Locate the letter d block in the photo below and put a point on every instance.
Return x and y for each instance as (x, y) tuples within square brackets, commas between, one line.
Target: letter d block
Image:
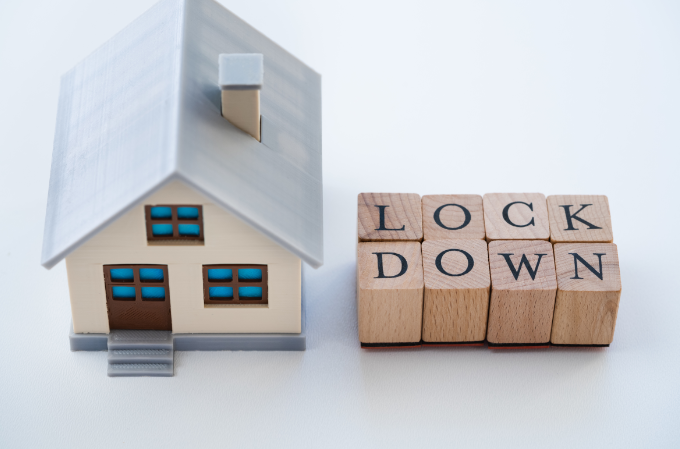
[(389, 294), (386, 217), (523, 289), (588, 294), (457, 284)]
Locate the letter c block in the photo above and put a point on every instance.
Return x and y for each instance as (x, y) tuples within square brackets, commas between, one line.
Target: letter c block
[(389, 293)]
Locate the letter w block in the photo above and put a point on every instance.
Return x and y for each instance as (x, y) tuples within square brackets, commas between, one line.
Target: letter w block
[(523, 289), (389, 293)]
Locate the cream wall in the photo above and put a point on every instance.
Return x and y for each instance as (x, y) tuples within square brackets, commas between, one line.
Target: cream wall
[(228, 240)]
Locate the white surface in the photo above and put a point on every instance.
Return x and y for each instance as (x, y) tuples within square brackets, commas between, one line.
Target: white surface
[(564, 97)]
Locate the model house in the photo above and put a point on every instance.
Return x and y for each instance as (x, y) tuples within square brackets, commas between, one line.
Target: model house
[(171, 217)]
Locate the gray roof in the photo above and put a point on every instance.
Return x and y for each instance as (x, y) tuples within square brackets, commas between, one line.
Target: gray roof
[(144, 109)]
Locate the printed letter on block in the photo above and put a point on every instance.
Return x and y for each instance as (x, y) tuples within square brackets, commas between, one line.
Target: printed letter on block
[(389, 293), (579, 218), (385, 217), (516, 216), (457, 283), (453, 217), (588, 293), (523, 288)]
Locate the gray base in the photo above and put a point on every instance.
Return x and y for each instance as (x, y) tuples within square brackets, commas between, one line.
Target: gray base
[(208, 342)]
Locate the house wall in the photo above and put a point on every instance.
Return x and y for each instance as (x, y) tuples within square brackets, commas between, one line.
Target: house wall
[(228, 240)]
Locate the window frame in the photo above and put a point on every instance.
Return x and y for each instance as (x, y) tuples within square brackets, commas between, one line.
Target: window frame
[(235, 284), (175, 222)]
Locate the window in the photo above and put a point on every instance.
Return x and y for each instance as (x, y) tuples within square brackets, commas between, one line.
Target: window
[(235, 284), (166, 222)]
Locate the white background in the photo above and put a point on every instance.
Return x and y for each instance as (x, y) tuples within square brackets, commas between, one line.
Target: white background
[(426, 97)]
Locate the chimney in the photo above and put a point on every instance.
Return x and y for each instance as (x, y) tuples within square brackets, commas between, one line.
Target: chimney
[(240, 79)]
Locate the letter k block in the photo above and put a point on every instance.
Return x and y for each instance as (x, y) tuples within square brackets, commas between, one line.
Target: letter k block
[(523, 289), (389, 217), (389, 293), (579, 218), (588, 294)]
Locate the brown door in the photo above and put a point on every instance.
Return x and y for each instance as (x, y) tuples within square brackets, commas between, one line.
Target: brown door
[(138, 297)]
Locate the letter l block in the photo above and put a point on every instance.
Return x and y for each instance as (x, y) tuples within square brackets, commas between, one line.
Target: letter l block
[(389, 293), (386, 217)]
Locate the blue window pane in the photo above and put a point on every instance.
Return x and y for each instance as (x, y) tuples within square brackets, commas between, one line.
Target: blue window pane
[(250, 292), (153, 293), (151, 275), (187, 213), (161, 213), (161, 230), (249, 274), (219, 274), (221, 293), (189, 230), (121, 292), (122, 275)]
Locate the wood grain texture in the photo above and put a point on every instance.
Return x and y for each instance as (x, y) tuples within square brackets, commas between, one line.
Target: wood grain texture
[(459, 216), (567, 213), (390, 310), (402, 212), (455, 308), (521, 310), (519, 224), (586, 308)]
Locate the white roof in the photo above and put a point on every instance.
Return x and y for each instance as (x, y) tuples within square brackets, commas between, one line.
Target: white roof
[(144, 109)]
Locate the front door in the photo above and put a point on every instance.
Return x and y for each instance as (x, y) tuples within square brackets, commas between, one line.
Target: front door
[(138, 296)]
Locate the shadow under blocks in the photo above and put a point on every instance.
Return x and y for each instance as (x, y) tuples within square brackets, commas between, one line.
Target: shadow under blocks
[(506, 270)]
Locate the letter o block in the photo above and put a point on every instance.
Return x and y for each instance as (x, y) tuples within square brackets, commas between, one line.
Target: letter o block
[(457, 284), (516, 216), (389, 293), (447, 217), (588, 294)]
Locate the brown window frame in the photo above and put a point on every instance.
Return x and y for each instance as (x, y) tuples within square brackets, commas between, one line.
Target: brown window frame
[(235, 284), (174, 221)]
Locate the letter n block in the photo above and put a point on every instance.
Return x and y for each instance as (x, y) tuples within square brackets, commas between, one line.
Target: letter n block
[(386, 217), (588, 294), (457, 285), (580, 218), (453, 217), (516, 216), (389, 293), (523, 289)]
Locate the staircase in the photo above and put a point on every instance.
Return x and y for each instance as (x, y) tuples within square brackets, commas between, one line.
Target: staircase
[(140, 353)]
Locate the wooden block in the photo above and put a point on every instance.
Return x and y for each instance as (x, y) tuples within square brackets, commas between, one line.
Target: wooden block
[(588, 294), (457, 285), (516, 216), (523, 289), (579, 218), (385, 217), (389, 293), (453, 217)]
